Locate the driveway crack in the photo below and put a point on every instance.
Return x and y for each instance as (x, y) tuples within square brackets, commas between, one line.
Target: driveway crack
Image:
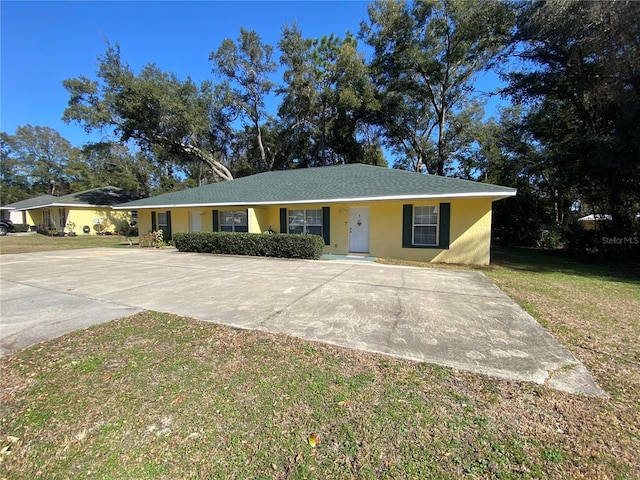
[(283, 310), (399, 310)]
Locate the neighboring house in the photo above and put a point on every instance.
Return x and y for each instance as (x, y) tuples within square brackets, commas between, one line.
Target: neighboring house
[(590, 222), (83, 213), (356, 208), (19, 212), (597, 220)]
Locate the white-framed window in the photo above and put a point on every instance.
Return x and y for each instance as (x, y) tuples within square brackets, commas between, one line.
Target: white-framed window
[(234, 221), (425, 225), (305, 221)]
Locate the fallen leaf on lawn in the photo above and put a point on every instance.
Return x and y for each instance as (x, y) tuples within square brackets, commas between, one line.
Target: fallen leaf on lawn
[(179, 400), (298, 456), (107, 377), (344, 403), (313, 440)]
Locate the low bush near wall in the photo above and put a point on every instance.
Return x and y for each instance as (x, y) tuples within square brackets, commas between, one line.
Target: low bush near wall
[(152, 240), (21, 227), (254, 244)]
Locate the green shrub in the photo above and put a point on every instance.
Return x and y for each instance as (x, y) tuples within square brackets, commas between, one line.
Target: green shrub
[(554, 237), (127, 230), (21, 227), (253, 244)]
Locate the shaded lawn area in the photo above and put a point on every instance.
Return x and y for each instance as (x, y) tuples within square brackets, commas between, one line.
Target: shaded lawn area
[(36, 242), (160, 396)]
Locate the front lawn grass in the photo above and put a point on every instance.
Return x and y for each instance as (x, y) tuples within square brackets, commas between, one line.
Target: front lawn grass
[(36, 242), (160, 396)]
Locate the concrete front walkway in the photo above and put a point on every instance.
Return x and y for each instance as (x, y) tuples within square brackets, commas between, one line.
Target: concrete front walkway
[(453, 318)]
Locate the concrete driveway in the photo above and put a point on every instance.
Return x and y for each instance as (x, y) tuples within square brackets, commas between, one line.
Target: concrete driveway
[(453, 318)]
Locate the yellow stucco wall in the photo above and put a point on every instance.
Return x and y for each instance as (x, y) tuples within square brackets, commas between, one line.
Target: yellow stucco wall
[(144, 222), (112, 220), (181, 221), (79, 217), (26, 217), (470, 228)]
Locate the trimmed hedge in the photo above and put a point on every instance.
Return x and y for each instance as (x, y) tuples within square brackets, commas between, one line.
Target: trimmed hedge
[(280, 245)]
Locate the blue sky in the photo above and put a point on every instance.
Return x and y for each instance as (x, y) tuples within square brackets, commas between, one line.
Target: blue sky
[(43, 43)]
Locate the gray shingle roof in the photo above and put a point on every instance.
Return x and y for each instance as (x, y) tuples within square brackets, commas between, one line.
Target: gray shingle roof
[(98, 197), (30, 203), (353, 182)]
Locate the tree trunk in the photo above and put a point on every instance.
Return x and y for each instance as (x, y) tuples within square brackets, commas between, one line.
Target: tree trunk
[(220, 170), (441, 127), (267, 163)]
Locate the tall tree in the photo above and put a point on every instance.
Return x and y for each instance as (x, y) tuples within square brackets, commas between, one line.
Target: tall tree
[(327, 98), (325, 55), (13, 182), (40, 156), (426, 56), (580, 74), (245, 67), (356, 101), (154, 109), (110, 163), (299, 97), (510, 155)]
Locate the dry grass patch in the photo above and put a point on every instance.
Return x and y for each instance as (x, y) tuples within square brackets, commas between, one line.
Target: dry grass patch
[(41, 243)]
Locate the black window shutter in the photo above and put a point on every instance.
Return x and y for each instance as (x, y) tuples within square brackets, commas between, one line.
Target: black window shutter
[(445, 225), (283, 220), (407, 226), (326, 225), (154, 223), (167, 232), (216, 225)]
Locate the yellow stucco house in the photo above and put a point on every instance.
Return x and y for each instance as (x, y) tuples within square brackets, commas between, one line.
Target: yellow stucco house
[(82, 213), (357, 209)]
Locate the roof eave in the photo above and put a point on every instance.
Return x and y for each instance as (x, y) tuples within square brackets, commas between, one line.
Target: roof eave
[(493, 195), (83, 205), (24, 209), (69, 205)]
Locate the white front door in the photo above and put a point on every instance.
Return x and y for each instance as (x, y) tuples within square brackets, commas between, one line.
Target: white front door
[(359, 229), (195, 221)]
